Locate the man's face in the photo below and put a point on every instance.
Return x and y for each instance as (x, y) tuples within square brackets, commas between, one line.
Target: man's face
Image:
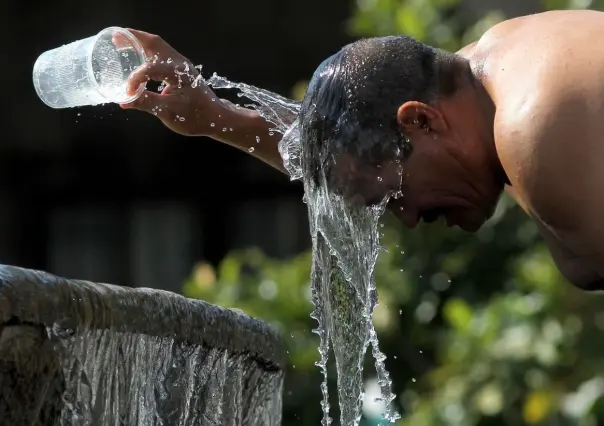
[(435, 186), (365, 184), (430, 183)]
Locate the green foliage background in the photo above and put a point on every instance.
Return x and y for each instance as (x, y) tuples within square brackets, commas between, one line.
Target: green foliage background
[(479, 329)]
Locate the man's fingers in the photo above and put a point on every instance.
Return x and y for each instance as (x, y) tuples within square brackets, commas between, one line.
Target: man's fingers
[(156, 71), (151, 102), (120, 41), (144, 37), (167, 71), (153, 44)]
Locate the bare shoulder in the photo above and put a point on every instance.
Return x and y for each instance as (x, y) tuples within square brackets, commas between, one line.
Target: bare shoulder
[(467, 50), (550, 144), (548, 88), (552, 154), (539, 23)]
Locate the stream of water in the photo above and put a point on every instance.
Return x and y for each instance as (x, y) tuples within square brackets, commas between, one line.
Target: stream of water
[(345, 243)]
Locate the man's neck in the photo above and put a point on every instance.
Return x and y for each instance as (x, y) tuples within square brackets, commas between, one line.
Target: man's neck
[(484, 110)]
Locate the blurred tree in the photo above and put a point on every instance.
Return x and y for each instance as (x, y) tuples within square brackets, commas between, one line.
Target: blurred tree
[(479, 329)]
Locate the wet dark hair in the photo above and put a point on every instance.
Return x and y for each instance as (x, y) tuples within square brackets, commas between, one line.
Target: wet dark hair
[(351, 103)]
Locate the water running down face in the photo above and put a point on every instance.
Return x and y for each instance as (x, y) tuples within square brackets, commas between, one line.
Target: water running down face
[(369, 126)]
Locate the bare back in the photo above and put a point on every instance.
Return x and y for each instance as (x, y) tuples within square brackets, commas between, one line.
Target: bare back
[(545, 73)]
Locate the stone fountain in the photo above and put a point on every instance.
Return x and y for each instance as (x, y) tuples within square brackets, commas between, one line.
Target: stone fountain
[(80, 353)]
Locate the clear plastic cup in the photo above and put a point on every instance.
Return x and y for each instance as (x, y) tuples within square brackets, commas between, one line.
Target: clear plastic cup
[(90, 71)]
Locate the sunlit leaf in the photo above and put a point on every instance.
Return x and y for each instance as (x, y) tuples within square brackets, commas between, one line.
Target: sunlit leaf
[(537, 407), (409, 22), (230, 270), (458, 313)]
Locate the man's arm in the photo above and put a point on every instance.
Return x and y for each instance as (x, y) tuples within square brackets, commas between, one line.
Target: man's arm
[(189, 107), (250, 132), (576, 270)]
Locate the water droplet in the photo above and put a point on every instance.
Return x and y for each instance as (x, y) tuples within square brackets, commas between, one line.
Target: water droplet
[(257, 139), (251, 149), (212, 125), (181, 118), (413, 380), (379, 178), (169, 60), (213, 99), (224, 129)]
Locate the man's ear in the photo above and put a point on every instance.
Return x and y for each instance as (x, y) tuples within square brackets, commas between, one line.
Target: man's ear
[(414, 117)]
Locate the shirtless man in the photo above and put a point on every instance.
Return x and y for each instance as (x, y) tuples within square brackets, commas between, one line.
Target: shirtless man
[(521, 109)]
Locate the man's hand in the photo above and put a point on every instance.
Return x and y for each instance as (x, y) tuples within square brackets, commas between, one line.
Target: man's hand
[(186, 105)]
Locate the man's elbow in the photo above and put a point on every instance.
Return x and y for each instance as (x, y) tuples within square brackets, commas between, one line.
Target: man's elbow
[(586, 282), (592, 285), (581, 274)]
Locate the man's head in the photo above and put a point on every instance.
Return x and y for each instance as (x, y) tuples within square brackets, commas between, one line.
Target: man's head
[(389, 114)]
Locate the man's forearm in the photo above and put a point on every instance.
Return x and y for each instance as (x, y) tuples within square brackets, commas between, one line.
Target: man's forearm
[(245, 129)]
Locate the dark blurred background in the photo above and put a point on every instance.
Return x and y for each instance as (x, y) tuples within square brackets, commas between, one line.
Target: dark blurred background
[(113, 196), (478, 329)]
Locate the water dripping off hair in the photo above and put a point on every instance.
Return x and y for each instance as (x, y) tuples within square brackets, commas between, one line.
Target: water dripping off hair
[(345, 244)]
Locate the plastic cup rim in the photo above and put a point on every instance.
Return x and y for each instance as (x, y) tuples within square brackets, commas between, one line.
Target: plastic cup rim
[(139, 50)]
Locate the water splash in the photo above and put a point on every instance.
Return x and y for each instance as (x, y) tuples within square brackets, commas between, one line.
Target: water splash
[(345, 250), (346, 245), (274, 108)]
